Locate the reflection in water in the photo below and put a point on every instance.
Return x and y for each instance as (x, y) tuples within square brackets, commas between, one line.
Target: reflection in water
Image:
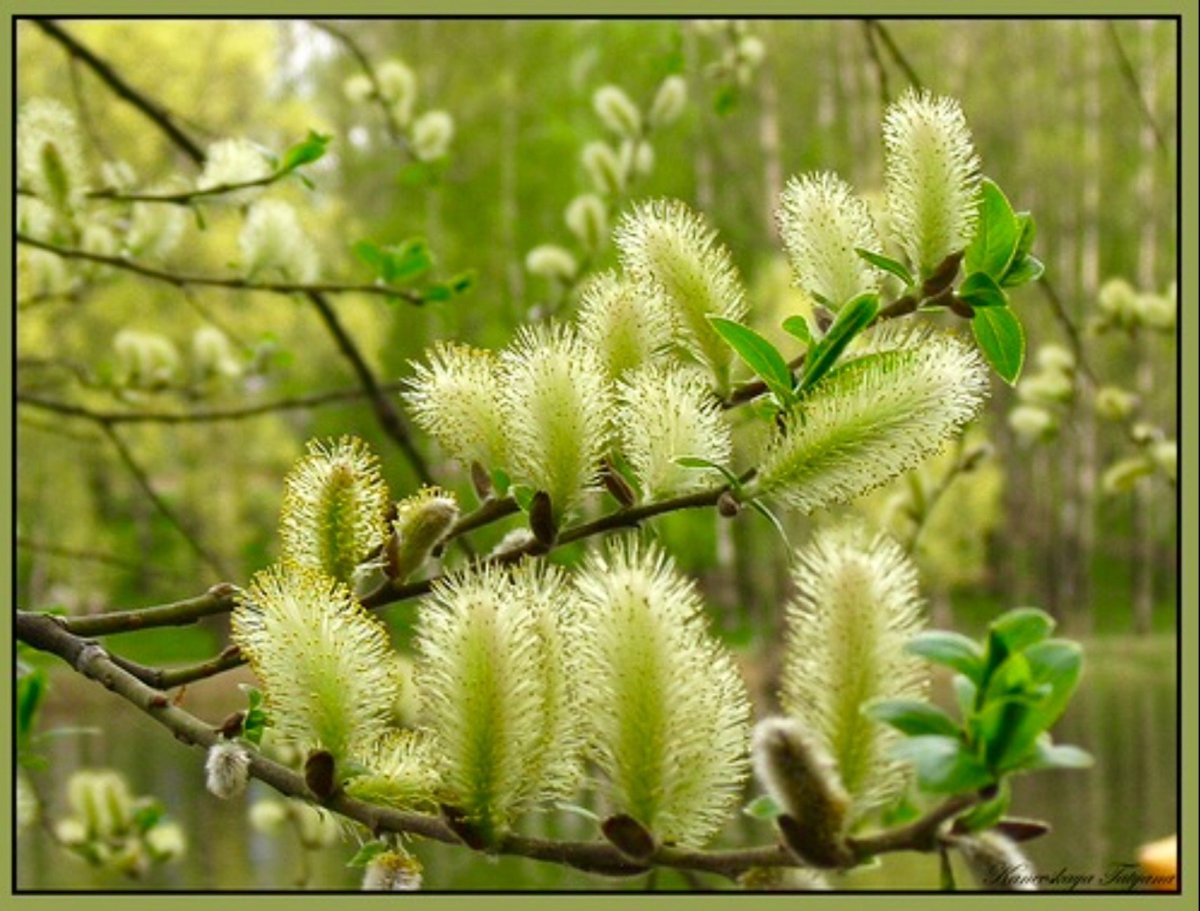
[(1125, 714)]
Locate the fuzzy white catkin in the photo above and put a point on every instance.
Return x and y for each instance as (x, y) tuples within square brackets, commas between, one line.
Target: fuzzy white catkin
[(455, 398), (432, 134), (624, 322), (392, 871), (616, 111), (551, 261), (822, 222), (587, 218), (272, 240), (675, 253), (669, 101), (932, 177), (227, 769), (155, 231), (665, 414), (667, 709), (234, 161), (857, 604), (398, 88), (50, 160), (357, 88), (604, 168), (872, 419)]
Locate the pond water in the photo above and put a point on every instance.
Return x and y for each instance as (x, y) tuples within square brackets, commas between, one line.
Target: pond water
[(1125, 715)]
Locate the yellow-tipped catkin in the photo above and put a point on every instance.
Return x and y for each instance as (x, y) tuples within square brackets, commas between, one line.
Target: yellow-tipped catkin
[(931, 176), (422, 521), (671, 250), (856, 605), (558, 406), (455, 398), (323, 661), (664, 414), (871, 420), (335, 506), (626, 324), (392, 871), (400, 771), (822, 222), (497, 691), (667, 710)]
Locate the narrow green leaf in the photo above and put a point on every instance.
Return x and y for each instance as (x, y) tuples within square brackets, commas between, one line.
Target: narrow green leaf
[(371, 255), (1026, 232), (951, 649), (944, 765), (965, 694), (997, 235), (31, 688), (762, 807), (852, 319), (986, 814), (1021, 627), (887, 264), (305, 152), (980, 290), (1001, 338), (759, 507), (367, 853), (437, 293), (912, 717), (760, 355), (1023, 271), (797, 328)]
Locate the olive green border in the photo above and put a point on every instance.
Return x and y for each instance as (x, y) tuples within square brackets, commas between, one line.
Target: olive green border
[(1188, 437)]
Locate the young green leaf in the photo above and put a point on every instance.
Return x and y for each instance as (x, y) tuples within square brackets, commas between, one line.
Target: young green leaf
[(887, 264), (914, 718), (980, 290), (760, 355), (1001, 338), (996, 236), (762, 807), (1026, 232), (761, 508), (1023, 271), (1022, 627), (944, 765), (367, 853), (951, 649), (371, 255), (306, 152), (697, 462), (986, 814), (31, 688), (852, 319), (797, 328)]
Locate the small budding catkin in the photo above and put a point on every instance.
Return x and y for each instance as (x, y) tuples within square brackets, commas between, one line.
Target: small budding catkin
[(604, 168), (358, 88), (616, 111), (432, 134), (234, 161), (398, 89), (392, 871), (551, 262), (50, 160), (669, 101), (422, 521), (587, 219), (272, 240), (227, 769), (996, 863), (802, 777)]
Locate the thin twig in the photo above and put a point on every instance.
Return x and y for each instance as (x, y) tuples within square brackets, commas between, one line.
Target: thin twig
[(395, 130), (143, 481), (159, 115), (896, 54), (876, 63), (1135, 87), (89, 556), (93, 662), (385, 410), (210, 415), (237, 284)]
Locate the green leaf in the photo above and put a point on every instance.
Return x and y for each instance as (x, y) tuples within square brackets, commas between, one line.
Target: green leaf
[(797, 328), (944, 765), (986, 814), (761, 508), (500, 481), (371, 255), (148, 815), (437, 293), (31, 689), (725, 99), (1054, 669), (852, 319), (887, 264), (407, 261), (1023, 271), (367, 853), (305, 152), (996, 236), (1026, 232), (951, 649), (1021, 627), (577, 810), (1059, 664), (1000, 337), (762, 807), (463, 281), (965, 694), (697, 462), (760, 355), (523, 494), (980, 290), (912, 717)]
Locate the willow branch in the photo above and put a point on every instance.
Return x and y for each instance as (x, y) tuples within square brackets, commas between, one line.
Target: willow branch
[(155, 112), (896, 54), (876, 62), (385, 410), (233, 283), (212, 415), (187, 197), (164, 508), (93, 662), (395, 130)]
